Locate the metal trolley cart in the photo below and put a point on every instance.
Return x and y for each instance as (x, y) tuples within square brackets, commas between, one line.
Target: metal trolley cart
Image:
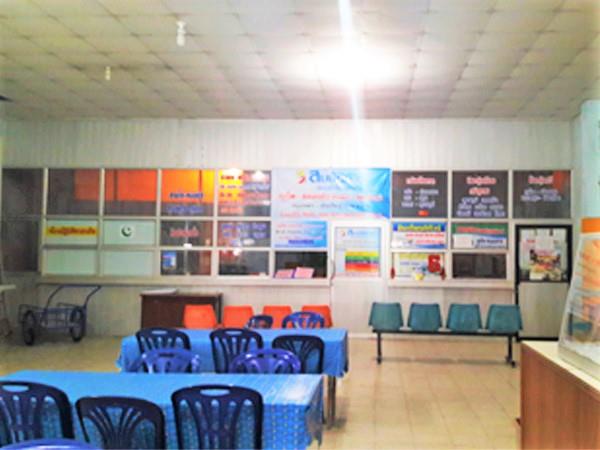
[(61, 317)]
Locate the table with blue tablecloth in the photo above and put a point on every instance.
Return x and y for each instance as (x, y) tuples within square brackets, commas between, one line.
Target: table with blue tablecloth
[(335, 358), (293, 404)]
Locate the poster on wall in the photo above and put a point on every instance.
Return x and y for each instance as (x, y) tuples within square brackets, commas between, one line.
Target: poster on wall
[(71, 232), (480, 195), (419, 194), (331, 194), (479, 235), (419, 235), (244, 192), (357, 251), (541, 194), (300, 234), (244, 234), (543, 254), (419, 266), (187, 192)]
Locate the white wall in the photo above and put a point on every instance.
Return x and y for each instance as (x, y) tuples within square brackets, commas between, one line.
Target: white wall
[(411, 144)]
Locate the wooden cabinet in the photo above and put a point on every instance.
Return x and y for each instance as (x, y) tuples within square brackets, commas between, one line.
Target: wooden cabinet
[(560, 405), (166, 309)]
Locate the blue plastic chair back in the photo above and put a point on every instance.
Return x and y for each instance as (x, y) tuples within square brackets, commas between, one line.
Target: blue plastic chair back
[(51, 444), (308, 349), (154, 338), (217, 414), (121, 422), (386, 316), (266, 360), (303, 319), (464, 318), (424, 317), (260, 321), (504, 319), (170, 360), (25, 409), (227, 343)]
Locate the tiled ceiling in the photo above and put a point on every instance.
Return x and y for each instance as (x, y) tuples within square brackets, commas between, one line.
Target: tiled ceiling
[(261, 58)]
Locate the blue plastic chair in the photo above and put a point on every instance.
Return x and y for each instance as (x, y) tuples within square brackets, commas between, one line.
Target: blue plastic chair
[(386, 316), (216, 414), (424, 317), (157, 337), (303, 319), (464, 318), (227, 343), (121, 422), (504, 319), (266, 360), (170, 360), (260, 321), (308, 349), (51, 444), (26, 407)]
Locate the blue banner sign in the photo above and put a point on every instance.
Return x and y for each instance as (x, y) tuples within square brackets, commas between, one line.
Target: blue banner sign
[(331, 194), (300, 234)]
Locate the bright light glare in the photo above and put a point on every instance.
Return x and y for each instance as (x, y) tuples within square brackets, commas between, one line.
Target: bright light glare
[(353, 67)]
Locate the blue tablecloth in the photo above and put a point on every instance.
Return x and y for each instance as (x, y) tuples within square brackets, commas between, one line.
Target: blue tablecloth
[(293, 404), (335, 339)]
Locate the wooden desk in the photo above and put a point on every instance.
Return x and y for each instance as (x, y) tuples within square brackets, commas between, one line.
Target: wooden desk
[(165, 309), (560, 404)]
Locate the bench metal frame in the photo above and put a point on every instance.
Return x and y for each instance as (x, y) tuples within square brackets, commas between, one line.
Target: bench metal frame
[(509, 336)]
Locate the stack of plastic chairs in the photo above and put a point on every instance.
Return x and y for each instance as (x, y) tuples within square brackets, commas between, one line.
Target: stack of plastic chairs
[(324, 310)]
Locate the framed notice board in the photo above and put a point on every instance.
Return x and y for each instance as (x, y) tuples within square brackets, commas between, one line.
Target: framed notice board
[(480, 195), (419, 194), (541, 194)]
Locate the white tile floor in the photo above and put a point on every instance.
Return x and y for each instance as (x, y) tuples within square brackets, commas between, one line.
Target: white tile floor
[(427, 393)]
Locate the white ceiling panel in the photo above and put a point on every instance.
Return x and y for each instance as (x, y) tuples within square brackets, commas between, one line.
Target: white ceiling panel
[(135, 7), (95, 25), (213, 24), (511, 21), (70, 7), (272, 58)]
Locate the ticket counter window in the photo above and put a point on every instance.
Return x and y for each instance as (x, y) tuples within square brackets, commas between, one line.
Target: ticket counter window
[(238, 262), (130, 192), (73, 191)]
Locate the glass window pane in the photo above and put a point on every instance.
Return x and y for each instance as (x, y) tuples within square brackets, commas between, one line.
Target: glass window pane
[(129, 232), (244, 234), (73, 191), (478, 265), (178, 262), (180, 232), (244, 192), (237, 262), (20, 245), (70, 262), (21, 192), (128, 263), (71, 232), (287, 262), (187, 192), (130, 192)]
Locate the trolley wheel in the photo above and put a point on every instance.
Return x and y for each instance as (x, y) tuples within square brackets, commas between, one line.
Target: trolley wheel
[(28, 327), (77, 324)]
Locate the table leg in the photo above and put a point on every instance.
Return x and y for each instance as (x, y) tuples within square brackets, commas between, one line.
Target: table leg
[(379, 357), (331, 388)]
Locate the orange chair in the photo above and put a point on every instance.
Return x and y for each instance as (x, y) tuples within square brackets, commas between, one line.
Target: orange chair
[(278, 312), (237, 316), (199, 317), (324, 310)]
